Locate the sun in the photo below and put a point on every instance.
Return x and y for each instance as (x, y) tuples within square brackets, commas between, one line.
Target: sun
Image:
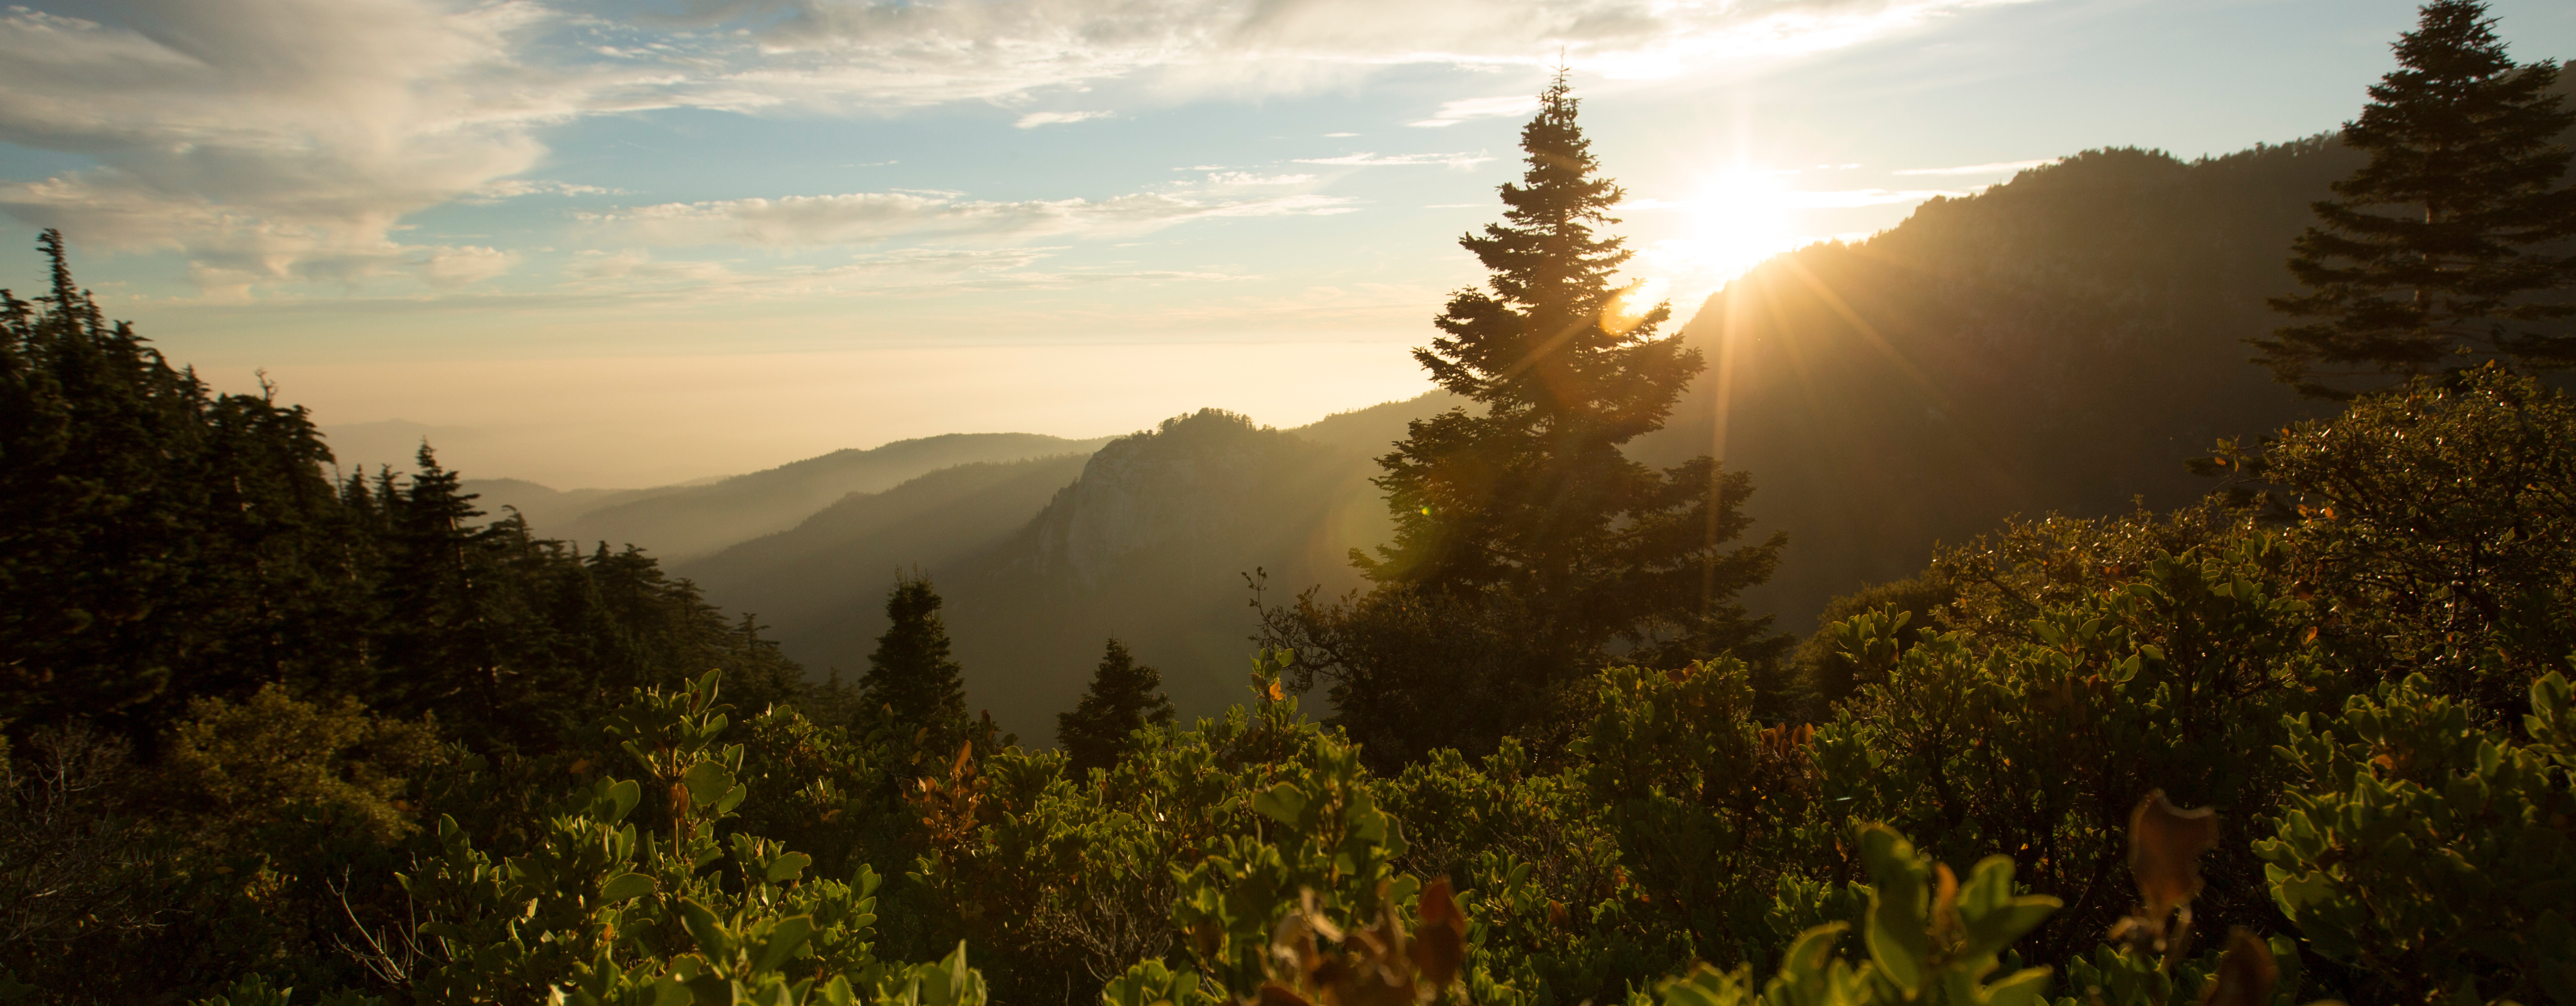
[(1731, 223)]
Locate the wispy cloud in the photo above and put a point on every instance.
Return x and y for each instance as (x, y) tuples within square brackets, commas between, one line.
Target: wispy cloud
[(1454, 112), (901, 271), (1996, 168), (513, 188), (1230, 178), (1035, 119), (869, 217), (1370, 160), (285, 141)]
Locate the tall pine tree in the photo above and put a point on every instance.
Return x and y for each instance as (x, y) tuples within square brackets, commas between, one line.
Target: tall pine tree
[(1528, 548), (911, 677), (1125, 696), (2430, 258)]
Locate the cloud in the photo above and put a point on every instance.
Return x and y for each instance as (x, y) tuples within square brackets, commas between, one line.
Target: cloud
[(1454, 112), (1370, 160), (285, 141), (900, 271), (915, 53), (281, 141), (513, 188), (1229, 178), (1997, 168), (1035, 119), (869, 217)]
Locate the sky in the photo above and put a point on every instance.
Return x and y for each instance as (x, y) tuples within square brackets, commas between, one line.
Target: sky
[(596, 243)]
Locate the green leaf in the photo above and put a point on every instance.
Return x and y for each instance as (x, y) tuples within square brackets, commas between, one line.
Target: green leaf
[(712, 938), (1281, 803), (788, 866), (2021, 988), (625, 886), (707, 782), (1898, 906), (784, 937)]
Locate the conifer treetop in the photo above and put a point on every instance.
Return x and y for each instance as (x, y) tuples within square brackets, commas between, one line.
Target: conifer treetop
[(1550, 343), (2464, 149)]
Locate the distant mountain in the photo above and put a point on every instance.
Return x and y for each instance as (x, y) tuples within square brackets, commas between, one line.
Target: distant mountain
[(697, 519), (821, 585), (1041, 561)]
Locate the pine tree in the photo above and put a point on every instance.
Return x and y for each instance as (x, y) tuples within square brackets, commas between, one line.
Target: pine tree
[(2464, 149), (1522, 529), (911, 676), (1125, 696)]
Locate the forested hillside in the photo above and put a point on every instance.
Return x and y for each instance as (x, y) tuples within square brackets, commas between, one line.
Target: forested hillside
[(2061, 343)]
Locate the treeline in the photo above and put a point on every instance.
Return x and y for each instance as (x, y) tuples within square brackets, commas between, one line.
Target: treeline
[(160, 544), (277, 736)]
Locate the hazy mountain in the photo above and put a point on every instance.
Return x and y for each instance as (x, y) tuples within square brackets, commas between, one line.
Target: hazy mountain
[(821, 585), (697, 519), (1041, 561)]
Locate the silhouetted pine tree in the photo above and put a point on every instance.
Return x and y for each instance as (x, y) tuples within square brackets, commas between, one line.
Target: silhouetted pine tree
[(1125, 696), (911, 676), (2464, 151), (1523, 531)]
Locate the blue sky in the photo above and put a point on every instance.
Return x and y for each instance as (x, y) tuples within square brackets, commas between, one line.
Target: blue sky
[(617, 243)]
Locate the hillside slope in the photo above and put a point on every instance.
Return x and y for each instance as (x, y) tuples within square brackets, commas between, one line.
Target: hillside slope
[(2062, 342)]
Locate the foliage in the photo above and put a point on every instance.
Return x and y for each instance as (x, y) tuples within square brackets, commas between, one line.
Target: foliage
[(2434, 856), (1823, 675), (243, 765), (1930, 939), (2443, 524), (1125, 697), (2464, 144), (2045, 745)]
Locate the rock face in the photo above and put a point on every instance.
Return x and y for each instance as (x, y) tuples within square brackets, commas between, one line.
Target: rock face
[(1191, 490)]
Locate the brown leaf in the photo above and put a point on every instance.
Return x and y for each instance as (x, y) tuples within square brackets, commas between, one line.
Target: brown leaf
[(1945, 902), (2165, 843), (1292, 943), (1556, 915), (957, 769), (2245, 975), (1207, 938), (1440, 942)]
